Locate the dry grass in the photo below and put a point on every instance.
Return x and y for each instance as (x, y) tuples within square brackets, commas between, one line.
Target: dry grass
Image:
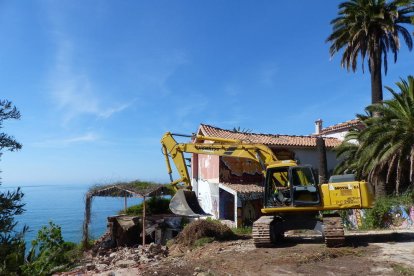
[(329, 253)]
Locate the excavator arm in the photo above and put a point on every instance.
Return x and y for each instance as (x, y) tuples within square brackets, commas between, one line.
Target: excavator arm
[(218, 146), (185, 201)]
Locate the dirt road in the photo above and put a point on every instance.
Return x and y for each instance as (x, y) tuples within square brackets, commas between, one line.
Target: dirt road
[(370, 253)]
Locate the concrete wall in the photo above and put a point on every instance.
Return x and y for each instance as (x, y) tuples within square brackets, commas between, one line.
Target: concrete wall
[(204, 179), (339, 135), (208, 197)]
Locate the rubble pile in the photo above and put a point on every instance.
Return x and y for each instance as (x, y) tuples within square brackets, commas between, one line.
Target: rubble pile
[(123, 257), (204, 229)]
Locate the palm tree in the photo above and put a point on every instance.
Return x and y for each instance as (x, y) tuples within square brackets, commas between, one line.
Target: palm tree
[(241, 130), (346, 152), (385, 148), (370, 29)]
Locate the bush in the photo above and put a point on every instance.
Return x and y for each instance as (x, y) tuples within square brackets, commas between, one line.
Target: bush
[(380, 215), (12, 255), (246, 230), (12, 245), (50, 253), (153, 206), (203, 241)]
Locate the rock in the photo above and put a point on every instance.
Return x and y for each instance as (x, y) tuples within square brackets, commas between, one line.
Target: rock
[(101, 267), (208, 273), (125, 263), (90, 266), (144, 259)]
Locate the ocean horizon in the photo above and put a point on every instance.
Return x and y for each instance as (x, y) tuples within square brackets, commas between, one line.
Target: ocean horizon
[(64, 205)]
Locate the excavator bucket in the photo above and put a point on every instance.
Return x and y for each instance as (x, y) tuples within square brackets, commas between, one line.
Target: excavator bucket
[(185, 203)]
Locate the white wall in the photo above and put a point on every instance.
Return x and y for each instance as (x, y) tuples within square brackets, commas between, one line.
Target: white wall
[(208, 197), (338, 135)]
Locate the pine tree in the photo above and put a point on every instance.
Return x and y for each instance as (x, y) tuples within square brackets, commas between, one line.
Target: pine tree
[(12, 246)]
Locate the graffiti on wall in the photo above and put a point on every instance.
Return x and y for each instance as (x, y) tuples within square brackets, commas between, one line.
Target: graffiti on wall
[(399, 217), (354, 218)]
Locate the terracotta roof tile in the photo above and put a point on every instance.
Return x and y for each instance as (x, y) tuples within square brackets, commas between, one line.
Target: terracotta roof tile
[(342, 126), (267, 139)]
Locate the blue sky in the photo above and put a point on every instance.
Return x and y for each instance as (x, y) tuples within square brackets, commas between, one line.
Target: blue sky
[(99, 82)]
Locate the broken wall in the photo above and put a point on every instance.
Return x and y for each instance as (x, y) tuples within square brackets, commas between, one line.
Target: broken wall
[(239, 170)]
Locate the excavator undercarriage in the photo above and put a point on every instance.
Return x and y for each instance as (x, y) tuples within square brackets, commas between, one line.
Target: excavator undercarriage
[(269, 230)]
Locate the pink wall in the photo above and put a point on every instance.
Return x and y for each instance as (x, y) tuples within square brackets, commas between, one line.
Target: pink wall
[(208, 167)]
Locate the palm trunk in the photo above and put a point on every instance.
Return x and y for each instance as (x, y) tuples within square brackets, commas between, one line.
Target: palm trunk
[(380, 185), (323, 165), (376, 78), (376, 97)]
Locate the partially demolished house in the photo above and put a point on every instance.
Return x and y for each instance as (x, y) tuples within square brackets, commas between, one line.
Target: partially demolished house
[(230, 188)]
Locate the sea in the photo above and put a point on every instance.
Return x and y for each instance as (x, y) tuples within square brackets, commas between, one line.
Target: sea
[(64, 205)]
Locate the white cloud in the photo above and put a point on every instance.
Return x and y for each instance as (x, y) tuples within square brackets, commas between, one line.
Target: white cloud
[(112, 110), (72, 89), (88, 137), (64, 142), (153, 72)]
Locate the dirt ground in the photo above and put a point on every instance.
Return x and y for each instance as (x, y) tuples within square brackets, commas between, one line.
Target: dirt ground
[(369, 253)]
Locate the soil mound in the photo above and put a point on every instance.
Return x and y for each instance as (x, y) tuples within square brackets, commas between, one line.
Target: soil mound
[(204, 229)]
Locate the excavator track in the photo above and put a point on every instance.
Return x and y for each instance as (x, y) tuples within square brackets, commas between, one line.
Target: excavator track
[(267, 230), (261, 231), (333, 231)]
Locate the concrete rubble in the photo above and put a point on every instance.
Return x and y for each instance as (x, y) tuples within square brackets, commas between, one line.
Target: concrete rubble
[(109, 261)]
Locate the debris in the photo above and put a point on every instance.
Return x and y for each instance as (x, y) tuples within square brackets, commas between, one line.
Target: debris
[(109, 260), (199, 229)]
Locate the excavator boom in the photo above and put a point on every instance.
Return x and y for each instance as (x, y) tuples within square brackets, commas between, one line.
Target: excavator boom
[(185, 201), (221, 147)]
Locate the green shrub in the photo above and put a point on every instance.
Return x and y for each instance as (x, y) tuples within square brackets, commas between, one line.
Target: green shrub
[(380, 215), (12, 255), (50, 253), (246, 230), (203, 241), (153, 206), (12, 245)]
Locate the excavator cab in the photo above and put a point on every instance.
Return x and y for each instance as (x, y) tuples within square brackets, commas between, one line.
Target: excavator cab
[(291, 186), (304, 189)]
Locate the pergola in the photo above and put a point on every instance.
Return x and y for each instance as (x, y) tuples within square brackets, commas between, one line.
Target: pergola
[(135, 189)]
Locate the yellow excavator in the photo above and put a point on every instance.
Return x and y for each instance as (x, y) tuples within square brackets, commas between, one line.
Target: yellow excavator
[(292, 198)]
